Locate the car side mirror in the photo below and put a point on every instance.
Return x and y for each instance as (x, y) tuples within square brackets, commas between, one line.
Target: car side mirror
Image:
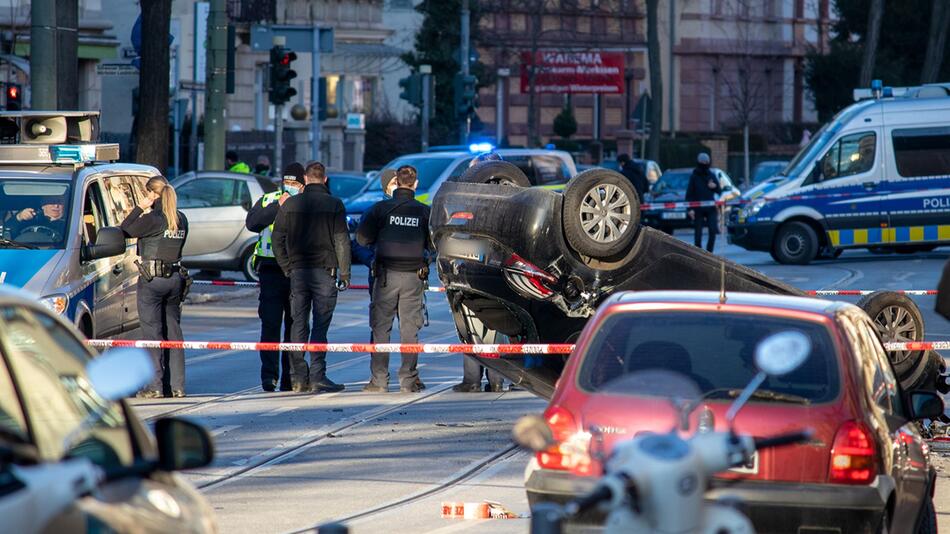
[(925, 405), (182, 444), (246, 205), (110, 241)]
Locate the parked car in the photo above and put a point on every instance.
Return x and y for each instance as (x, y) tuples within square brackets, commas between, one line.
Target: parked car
[(765, 170), (649, 167), (345, 185), (671, 187), (56, 418), (532, 265), (866, 468), (216, 204)]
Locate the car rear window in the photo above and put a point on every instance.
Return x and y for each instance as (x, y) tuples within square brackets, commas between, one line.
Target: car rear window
[(715, 350)]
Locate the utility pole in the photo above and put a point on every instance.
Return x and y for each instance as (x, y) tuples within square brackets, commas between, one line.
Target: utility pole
[(315, 96), (426, 72), (463, 61), (216, 85), (43, 47), (670, 103), (503, 73)]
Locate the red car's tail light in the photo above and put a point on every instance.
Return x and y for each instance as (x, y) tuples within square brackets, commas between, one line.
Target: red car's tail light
[(853, 460), (527, 278), (570, 453)]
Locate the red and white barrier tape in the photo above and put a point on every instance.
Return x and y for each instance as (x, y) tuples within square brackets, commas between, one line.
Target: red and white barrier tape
[(861, 292), (422, 348), (235, 283)]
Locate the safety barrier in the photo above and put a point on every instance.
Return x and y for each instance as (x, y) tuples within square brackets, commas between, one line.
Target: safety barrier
[(422, 348)]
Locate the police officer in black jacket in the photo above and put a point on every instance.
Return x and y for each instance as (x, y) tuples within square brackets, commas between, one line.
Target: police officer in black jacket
[(312, 247), (703, 186), (399, 229), (162, 282)]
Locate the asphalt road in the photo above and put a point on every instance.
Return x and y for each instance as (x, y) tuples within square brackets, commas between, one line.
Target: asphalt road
[(384, 462)]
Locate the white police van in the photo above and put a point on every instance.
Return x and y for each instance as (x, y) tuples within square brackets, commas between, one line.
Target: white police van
[(62, 198), (877, 176)]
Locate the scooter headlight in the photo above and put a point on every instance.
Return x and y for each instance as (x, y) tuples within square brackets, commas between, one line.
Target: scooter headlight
[(56, 303)]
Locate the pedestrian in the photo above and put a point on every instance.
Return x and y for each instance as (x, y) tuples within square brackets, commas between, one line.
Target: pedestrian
[(312, 247), (634, 172), (163, 282), (263, 165), (274, 300), (703, 186), (398, 229), (943, 293), (234, 163)]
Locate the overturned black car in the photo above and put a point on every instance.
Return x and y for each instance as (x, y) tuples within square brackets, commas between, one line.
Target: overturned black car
[(531, 265)]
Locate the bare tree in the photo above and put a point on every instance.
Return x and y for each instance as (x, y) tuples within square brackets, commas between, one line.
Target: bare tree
[(656, 80), (936, 41), (151, 123), (871, 37)]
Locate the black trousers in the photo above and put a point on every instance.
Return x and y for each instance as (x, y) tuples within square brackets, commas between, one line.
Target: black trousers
[(396, 293), (274, 310), (159, 303), (708, 217), (472, 373), (312, 291)]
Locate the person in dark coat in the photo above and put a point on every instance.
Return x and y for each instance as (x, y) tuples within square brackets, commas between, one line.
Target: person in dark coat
[(703, 186), (943, 293), (634, 172)]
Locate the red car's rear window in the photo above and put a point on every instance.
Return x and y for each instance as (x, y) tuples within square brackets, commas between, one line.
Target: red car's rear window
[(715, 350)]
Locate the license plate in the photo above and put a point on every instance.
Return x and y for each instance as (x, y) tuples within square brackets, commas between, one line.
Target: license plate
[(673, 215), (749, 468)]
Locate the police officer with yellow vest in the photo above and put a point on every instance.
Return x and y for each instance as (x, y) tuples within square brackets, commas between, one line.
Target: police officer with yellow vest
[(274, 302)]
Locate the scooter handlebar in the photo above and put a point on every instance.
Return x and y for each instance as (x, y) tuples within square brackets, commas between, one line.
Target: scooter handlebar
[(784, 439)]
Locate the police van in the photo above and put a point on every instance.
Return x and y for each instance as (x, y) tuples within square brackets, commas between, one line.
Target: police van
[(877, 176), (62, 198)]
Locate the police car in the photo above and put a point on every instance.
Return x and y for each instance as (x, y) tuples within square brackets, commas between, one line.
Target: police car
[(876, 176), (62, 198)]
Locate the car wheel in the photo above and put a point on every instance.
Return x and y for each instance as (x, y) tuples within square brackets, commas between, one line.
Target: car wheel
[(927, 524), (795, 244), (247, 266), (494, 172), (897, 318), (601, 213)]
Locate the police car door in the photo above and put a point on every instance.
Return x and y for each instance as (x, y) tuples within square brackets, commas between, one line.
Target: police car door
[(919, 183), (844, 189), (104, 276), (122, 194)]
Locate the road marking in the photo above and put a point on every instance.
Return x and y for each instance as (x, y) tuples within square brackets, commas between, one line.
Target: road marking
[(224, 429), (278, 411)]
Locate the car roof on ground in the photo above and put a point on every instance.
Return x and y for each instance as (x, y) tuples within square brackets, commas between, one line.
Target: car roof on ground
[(762, 300)]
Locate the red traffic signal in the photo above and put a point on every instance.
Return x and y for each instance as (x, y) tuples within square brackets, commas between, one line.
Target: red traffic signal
[(287, 57), (13, 95)]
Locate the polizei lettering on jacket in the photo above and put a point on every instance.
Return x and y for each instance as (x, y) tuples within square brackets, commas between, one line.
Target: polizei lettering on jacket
[(178, 234), (399, 220)]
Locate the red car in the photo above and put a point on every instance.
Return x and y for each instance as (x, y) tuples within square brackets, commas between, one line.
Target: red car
[(866, 468)]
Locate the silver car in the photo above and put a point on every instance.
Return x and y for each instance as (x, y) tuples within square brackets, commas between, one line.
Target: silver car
[(216, 204)]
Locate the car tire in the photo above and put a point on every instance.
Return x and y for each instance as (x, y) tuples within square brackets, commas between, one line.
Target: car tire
[(247, 266), (494, 172), (927, 523), (796, 244), (596, 230), (897, 318)]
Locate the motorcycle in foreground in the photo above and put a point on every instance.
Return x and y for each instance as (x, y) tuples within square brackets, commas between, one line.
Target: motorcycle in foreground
[(655, 482)]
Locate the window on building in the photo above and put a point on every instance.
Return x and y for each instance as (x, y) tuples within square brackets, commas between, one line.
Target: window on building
[(922, 151)]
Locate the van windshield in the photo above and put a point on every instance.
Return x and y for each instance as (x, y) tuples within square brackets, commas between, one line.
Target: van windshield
[(429, 169), (812, 150), (34, 214)]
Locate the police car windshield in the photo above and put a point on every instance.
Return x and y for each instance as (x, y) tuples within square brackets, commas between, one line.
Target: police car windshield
[(429, 170), (35, 214)]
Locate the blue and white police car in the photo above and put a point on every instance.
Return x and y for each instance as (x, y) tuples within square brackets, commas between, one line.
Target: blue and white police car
[(876, 176), (62, 198)]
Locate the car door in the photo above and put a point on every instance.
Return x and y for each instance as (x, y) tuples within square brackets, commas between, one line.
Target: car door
[(216, 208), (121, 198), (845, 187), (106, 276)]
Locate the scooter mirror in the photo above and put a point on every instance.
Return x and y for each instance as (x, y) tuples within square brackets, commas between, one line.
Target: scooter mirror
[(782, 353), (120, 372), (532, 432)]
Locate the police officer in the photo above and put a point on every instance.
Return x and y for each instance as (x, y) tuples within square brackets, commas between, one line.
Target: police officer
[(312, 246), (399, 229), (274, 302), (703, 186), (162, 282)]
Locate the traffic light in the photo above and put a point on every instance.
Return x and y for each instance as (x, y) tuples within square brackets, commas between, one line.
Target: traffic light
[(411, 89), (465, 95), (14, 97), (280, 75)]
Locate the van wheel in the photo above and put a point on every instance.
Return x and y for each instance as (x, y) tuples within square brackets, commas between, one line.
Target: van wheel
[(601, 213), (897, 318), (494, 172), (247, 266), (795, 244)]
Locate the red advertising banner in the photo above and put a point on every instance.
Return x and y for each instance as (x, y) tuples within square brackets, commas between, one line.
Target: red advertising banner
[(565, 72)]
